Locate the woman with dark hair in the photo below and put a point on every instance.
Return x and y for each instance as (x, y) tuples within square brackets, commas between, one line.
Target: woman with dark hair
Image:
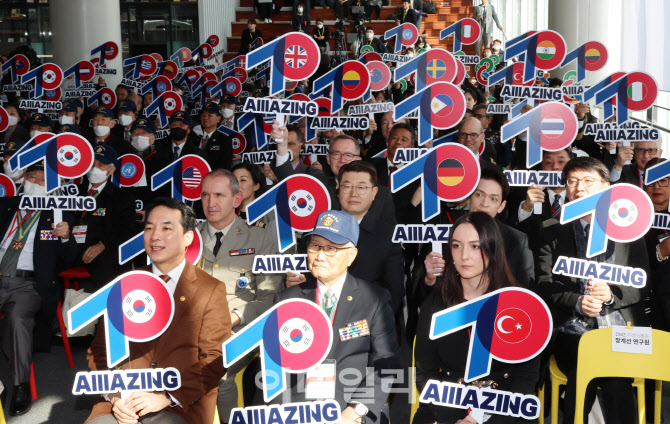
[(252, 186), (475, 266)]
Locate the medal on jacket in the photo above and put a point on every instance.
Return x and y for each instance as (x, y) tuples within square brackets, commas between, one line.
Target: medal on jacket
[(243, 281)]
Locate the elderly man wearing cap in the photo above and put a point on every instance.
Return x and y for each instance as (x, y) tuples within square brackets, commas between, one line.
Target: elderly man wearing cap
[(229, 102), (103, 122), (127, 114), (178, 144), (39, 123), (362, 318), (217, 146), (99, 233), (32, 252), (68, 115)]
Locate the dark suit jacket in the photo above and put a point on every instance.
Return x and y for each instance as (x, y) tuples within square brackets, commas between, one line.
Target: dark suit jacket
[(219, 151), (444, 359), (562, 293), (531, 225), (247, 38), (377, 45), (359, 300), (114, 139), (165, 150), (191, 344), (402, 198), (410, 16), (630, 174), (50, 257)]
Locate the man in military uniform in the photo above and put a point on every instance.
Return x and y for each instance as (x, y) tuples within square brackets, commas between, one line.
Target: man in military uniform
[(228, 255)]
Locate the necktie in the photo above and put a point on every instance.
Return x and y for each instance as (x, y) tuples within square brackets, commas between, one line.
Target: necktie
[(329, 301), (218, 244), (175, 154), (392, 169), (127, 136), (165, 278), (556, 205), (587, 228), (484, 15), (205, 139), (91, 192)]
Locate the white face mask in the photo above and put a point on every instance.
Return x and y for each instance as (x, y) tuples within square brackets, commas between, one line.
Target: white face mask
[(125, 120), (101, 130), (13, 120), (496, 47), (369, 35), (300, 10), (35, 133), (66, 120), (523, 136), (140, 143), (15, 174), (227, 113), (319, 26), (96, 175), (32, 189)]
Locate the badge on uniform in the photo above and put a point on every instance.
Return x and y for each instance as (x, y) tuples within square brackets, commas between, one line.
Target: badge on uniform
[(100, 212), (242, 282), (215, 147), (242, 252), (355, 330), (47, 235), (79, 233)]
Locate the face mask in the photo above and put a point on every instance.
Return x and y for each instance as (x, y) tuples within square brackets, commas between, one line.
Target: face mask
[(227, 113), (300, 10), (96, 175), (125, 120), (496, 48), (32, 189), (35, 133), (523, 137), (177, 133), (101, 130), (319, 26), (369, 35), (420, 46), (13, 120), (66, 120), (140, 143), (11, 174)]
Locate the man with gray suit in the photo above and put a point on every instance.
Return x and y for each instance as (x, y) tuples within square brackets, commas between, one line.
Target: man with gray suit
[(230, 246), (485, 14)]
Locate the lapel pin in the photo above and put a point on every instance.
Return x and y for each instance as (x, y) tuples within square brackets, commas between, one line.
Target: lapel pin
[(183, 298), (349, 298), (238, 229)]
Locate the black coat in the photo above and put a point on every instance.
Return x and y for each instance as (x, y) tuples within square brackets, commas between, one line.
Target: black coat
[(630, 174), (409, 17), (562, 293), (218, 151), (445, 358), (359, 300), (247, 38)]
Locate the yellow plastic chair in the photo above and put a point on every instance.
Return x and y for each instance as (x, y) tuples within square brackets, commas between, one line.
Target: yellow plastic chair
[(596, 359), (557, 379), (216, 416), (415, 392), (2, 412)]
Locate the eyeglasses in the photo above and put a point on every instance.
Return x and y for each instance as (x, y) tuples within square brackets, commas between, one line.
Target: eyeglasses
[(480, 116), (650, 152), (587, 181), (360, 190), (314, 247), (661, 183), (346, 156), (463, 136)]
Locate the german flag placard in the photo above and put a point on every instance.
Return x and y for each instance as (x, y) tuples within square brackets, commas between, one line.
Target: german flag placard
[(455, 169)]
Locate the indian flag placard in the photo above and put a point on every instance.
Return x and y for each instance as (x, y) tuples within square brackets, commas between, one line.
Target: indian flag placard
[(546, 50)]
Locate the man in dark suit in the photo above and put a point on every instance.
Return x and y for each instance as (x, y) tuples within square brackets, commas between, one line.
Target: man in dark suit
[(192, 341), (639, 154), (370, 40), (127, 114), (178, 144), (351, 303), (282, 167), (101, 133), (407, 15), (578, 305), (522, 216), (32, 252), (217, 147), (99, 233)]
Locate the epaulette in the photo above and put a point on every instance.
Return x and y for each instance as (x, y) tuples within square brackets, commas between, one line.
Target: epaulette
[(260, 224)]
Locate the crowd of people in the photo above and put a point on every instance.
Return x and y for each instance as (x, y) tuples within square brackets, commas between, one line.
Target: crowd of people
[(357, 274)]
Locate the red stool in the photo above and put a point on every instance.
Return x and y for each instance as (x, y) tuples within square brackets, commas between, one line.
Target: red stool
[(33, 383), (76, 274)]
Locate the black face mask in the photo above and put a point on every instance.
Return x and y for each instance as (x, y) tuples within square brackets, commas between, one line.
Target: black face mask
[(177, 133)]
